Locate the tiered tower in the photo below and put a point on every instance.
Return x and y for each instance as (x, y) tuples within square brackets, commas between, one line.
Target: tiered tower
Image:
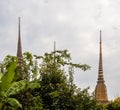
[(100, 90), (19, 54)]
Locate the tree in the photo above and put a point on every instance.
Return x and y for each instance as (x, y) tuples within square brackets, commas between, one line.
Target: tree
[(7, 87), (55, 89), (12, 92)]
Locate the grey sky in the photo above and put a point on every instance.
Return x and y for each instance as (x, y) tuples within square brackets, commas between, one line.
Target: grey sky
[(75, 26)]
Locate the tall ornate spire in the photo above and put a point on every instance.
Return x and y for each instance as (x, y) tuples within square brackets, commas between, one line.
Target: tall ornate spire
[(100, 71), (19, 47), (19, 55), (100, 90)]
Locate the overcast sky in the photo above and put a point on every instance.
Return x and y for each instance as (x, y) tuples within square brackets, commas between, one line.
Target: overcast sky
[(75, 26)]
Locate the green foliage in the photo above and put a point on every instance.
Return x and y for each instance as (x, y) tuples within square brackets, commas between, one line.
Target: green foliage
[(35, 103), (31, 66), (47, 86), (7, 78), (16, 87), (5, 85), (9, 88), (13, 102), (26, 98), (32, 85), (60, 58), (114, 105), (1, 75), (56, 91), (84, 101)]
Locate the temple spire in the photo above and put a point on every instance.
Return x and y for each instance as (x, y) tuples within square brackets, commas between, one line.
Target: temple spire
[(100, 71), (19, 47), (23, 75), (101, 90)]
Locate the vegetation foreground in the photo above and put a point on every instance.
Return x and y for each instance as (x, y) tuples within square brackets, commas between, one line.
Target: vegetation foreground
[(45, 83)]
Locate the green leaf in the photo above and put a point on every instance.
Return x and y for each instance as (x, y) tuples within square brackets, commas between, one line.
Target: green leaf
[(1, 75), (8, 77), (13, 102), (16, 87), (54, 94), (33, 85)]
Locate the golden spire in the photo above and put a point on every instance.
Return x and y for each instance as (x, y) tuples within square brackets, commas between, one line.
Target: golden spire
[(100, 90)]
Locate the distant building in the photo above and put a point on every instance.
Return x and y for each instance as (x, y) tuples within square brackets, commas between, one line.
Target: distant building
[(101, 90)]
